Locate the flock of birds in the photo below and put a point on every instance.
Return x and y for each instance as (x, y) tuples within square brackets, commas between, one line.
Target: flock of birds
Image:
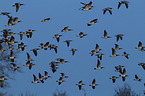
[(9, 39)]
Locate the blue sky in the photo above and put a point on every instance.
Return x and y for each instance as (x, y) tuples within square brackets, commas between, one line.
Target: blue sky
[(81, 66)]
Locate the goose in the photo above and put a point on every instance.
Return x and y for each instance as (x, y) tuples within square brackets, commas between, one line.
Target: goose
[(45, 20), (15, 67), (21, 35), (105, 35), (35, 51), (40, 78), (87, 6), (81, 35), (114, 53), (12, 40), (73, 51), (136, 78), (97, 48), (46, 75), (123, 2), (1, 48), (12, 56), (119, 36), (65, 29), (94, 52), (92, 22), (61, 60), (29, 33), (60, 81), (63, 75), (35, 80), (80, 84), (15, 21), (29, 58), (124, 75), (68, 42), (119, 68), (2, 78), (28, 64), (100, 55), (117, 47), (139, 45), (114, 78), (98, 65), (93, 84), (126, 55), (142, 64), (17, 5), (57, 36), (5, 13), (107, 9), (45, 47)]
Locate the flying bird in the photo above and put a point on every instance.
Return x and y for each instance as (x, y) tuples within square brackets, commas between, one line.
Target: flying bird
[(80, 84), (45, 20), (93, 84), (105, 35), (92, 22), (123, 2), (17, 5), (107, 9), (98, 65)]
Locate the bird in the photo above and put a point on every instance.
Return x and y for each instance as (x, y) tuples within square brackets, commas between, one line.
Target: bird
[(123, 2), (5, 13), (60, 81), (97, 48), (98, 65), (114, 53), (124, 75), (99, 55), (94, 52), (29, 58), (45, 47), (119, 36), (126, 55), (1, 48), (117, 47), (87, 6), (45, 20), (142, 64), (21, 35), (28, 64), (81, 35), (29, 33), (92, 22), (93, 84), (136, 78), (2, 78), (17, 5), (73, 51), (21, 46), (119, 68), (11, 56), (57, 36), (139, 45), (40, 78), (61, 60), (15, 21), (35, 80), (105, 35), (68, 42), (15, 67), (114, 78), (35, 51), (12, 40), (65, 29), (80, 84), (63, 75), (107, 9), (46, 75)]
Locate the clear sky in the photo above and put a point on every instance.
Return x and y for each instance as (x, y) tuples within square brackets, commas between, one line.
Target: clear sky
[(81, 66)]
